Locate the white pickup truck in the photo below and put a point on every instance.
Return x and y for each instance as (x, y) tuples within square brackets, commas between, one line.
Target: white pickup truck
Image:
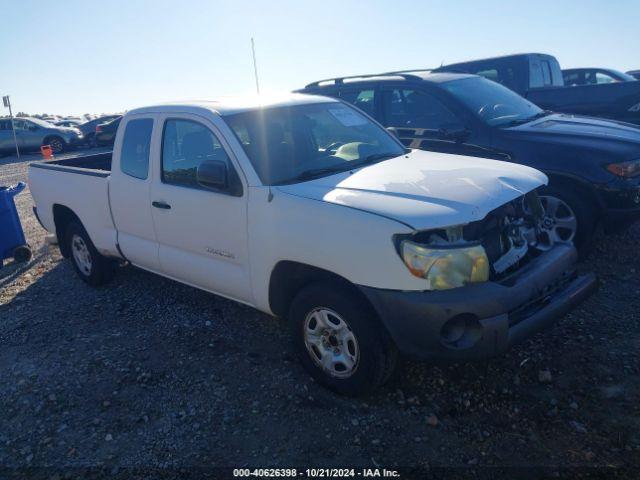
[(304, 207)]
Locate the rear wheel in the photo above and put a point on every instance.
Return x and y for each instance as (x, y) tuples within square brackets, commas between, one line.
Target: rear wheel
[(90, 266), (569, 217), (90, 140), (340, 341), (56, 143)]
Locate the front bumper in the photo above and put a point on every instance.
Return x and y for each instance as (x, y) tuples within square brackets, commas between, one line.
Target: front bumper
[(621, 200), (73, 140), (483, 320)]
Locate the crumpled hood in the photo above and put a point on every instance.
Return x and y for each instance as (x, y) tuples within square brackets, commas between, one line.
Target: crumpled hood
[(425, 189)]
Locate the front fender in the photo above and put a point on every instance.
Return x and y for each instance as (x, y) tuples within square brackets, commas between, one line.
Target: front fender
[(355, 245)]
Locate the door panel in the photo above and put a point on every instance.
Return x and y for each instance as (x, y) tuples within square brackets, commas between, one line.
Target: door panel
[(202, 239), (202, 233), (31, 136), (19, 126), (6, 136), (129, 193)]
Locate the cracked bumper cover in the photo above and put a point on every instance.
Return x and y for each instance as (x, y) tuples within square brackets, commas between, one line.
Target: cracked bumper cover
[(501, 313)]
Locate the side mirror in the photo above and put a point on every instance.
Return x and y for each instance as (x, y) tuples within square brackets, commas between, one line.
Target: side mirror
[(213, 174), (33, 128)]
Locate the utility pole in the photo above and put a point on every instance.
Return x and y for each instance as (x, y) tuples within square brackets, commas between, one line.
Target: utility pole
[(7, 104), (255, 65)]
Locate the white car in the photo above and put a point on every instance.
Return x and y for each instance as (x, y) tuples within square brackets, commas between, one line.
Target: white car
[(304, 207)]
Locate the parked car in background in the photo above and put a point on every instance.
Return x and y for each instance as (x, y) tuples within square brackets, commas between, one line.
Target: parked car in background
[(634, 73), (106, 132), (538, 78), (593, 164), (305, 208), (32, 133), (593, 76), (67, 123), (88, 128)]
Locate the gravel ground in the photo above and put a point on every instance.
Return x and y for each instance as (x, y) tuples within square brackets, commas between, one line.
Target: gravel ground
[(150, 373)]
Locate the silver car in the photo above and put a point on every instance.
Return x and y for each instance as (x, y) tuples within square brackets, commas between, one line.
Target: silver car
[(32, 133)]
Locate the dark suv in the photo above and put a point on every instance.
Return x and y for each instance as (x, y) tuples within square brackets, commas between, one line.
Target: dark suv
[(593, 165)]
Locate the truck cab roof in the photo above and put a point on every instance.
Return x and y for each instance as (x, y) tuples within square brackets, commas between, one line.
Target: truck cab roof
[(235, 104)]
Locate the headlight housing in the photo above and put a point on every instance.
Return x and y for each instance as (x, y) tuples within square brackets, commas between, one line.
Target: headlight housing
[(446, 268), (625, 169)]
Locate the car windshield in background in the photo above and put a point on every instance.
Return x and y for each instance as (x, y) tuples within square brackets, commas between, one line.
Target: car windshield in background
[(42, 123), (298, 143), (623, 77), (494, 104)]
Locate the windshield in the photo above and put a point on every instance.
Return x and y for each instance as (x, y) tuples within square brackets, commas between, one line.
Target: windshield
[(494, 104), (297, 143), (624, 77), (42, 123)]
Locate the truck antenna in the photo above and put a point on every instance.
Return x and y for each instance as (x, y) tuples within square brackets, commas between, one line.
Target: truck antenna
[(255, 65)]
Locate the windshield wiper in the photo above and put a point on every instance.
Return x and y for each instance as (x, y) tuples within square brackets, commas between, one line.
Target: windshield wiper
[(375, 157), (317, 172), (521, 121)]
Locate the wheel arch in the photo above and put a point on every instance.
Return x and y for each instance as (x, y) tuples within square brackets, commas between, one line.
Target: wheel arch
[(289, 277), (557, 179), (62, 217)]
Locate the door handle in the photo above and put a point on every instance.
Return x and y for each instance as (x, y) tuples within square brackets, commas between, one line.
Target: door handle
[(162, 205)]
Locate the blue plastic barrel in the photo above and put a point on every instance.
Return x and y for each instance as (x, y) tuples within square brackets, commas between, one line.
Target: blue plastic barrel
[(12, 241)]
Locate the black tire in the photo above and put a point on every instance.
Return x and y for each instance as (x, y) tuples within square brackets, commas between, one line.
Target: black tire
[(22, 253), (57, 144), (101, 269), (585, 214), (377, 356), (90, 140)]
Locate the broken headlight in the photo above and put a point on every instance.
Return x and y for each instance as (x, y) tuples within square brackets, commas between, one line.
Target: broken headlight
[(446, 268)]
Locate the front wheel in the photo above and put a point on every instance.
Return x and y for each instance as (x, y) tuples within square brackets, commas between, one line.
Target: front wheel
[(568, 216), (340, 341), (90, 140), (56, 143), (90, 266)]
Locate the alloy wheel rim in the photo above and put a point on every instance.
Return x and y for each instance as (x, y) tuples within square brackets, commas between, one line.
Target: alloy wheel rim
[(559, 222), (331, 343), (81, 254), (56, 145)]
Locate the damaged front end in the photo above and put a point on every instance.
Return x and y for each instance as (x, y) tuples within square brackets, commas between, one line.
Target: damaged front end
[(488, 249)]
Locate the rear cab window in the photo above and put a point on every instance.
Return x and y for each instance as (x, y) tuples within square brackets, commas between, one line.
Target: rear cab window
[(544, 71), (136, 143)]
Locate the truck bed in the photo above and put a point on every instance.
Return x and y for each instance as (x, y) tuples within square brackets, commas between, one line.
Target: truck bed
[(94, 164), (80, 185), (617, 101)]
